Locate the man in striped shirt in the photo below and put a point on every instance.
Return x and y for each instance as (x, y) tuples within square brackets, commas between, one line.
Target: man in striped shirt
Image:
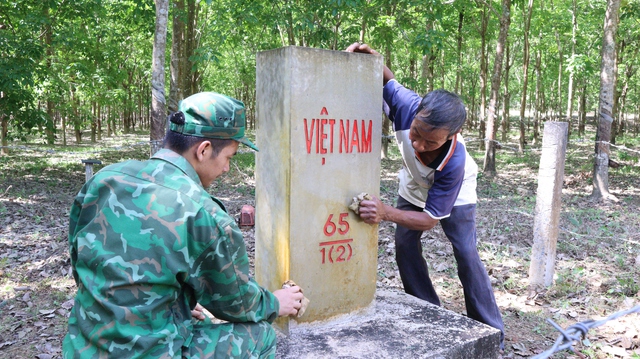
[(437, 184)]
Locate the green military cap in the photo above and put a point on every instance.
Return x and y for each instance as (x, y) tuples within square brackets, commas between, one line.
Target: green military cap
[(212, 115)]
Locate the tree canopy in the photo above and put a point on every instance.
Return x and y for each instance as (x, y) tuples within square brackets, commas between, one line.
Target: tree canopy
[(87, 64)]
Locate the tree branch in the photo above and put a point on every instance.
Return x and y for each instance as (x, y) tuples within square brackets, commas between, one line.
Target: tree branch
[(490, 7)]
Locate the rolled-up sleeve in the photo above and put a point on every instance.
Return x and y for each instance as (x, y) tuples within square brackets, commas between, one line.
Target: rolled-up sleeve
[(220, 274)]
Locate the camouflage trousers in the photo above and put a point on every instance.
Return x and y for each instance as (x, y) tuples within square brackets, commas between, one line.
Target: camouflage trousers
[(231, 340)]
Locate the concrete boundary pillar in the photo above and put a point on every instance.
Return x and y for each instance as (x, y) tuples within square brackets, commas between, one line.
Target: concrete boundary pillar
[(548, 204), (319, 116)]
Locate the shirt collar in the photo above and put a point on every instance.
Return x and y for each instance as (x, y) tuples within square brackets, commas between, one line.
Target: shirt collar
[(178, 161), (443, 158), (184, 165)]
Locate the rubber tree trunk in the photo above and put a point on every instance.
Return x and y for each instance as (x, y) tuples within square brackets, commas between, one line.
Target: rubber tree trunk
[(192, 40), (50, 126), (582, 109), (525, 74), (605, 106), (158, 101), (574, 41), (428, 63), (4, 131), (483, 76), (622, 99), (490, 153), (506, 97), (616, 91), (386, 123), (94, 121), (177, 53), (458, 87), (559, 43)]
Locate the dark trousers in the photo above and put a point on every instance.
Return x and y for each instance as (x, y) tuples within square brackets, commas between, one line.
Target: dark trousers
[(460, 228)]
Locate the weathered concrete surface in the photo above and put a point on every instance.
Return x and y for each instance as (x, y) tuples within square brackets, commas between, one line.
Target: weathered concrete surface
[(395, 325), (548, 204), (319, 132)]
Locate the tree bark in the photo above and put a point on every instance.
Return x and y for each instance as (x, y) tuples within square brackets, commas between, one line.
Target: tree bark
[(192, 39), (558, 109), (99, 120), (50, 126), (363, 29), (4, 131), (539, 95), (483, 75), (506, 97), (177, 49), (582, 109), (525, 73), (574, 41), (490, 153), (158, 101), (94, 122), (616, 91), (605, 106), (427, 63), (386, 123), (64, 130), (459, 65), (472, 120), (75, 103), (629, 72)]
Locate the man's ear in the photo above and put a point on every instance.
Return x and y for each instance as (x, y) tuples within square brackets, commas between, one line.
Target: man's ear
[(202, 151), (454, 135)]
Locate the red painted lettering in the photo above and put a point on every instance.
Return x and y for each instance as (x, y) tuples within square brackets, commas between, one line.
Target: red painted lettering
[(329, 227), (323, 136), (339, 241), (317, 136), (341, 251), (366, 137), (342, 247), (308, 133), (344, 225), (332, 122), (344, 136), (350, 138), (354, 138), (324, 111)]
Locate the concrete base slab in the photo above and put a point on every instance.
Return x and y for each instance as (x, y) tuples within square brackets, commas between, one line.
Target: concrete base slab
[(395, 325)]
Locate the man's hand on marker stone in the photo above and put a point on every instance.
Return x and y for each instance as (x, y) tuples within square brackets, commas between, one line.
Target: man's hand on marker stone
[(387, 75), (290, 300), (372, 211), (362, 48)]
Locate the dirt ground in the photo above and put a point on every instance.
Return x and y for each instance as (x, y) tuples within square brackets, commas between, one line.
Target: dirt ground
[(597, 269)]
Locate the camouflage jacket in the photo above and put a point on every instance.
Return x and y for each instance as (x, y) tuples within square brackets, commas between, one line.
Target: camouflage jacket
[(147, 242)]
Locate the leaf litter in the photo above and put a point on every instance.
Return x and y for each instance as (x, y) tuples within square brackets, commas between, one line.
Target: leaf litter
[(597, 267)]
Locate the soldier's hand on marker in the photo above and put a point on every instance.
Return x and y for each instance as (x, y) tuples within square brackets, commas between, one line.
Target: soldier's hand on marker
[(362, 48), (372, 211), (290, 300), (198, 312)]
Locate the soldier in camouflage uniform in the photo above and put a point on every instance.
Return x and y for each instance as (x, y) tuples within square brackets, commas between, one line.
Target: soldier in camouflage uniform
[(150, 247)]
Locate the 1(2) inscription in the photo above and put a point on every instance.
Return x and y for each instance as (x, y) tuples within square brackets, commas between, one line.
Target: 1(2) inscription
[(336, 250)]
